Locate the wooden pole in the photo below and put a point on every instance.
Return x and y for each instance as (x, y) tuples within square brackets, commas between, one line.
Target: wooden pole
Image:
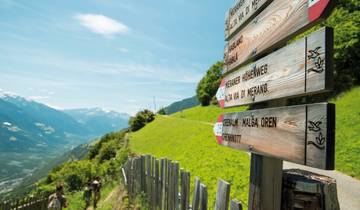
[(265, 183)]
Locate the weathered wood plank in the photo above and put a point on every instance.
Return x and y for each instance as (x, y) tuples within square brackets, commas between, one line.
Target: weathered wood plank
[(241, 13), (301, 68), (203, 197), (307, 190), (302, 134), (222, 195), (143, 173), (235, 205), (265, 183), (170, 187), (185, 190), (157, 184), (164, 185), (176, 185), (148, 173), (196, 196), (275, 25)]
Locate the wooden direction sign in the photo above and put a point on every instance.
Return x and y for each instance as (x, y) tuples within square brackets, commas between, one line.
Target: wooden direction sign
[(302, 134), (276, 24), (303, 67), (241, 13)]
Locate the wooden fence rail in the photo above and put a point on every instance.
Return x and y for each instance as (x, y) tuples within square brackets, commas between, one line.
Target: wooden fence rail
[(167, 187), (25, 204)]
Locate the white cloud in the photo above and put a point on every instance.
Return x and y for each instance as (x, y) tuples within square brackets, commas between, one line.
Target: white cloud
[(101, 24)]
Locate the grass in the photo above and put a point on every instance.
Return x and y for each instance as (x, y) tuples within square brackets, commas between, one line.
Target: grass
[(348, 133), (188, 137)]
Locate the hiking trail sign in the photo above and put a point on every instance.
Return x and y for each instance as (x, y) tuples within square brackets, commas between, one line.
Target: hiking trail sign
[(277, 23), (302, 134), (303, 67), (241, 13)]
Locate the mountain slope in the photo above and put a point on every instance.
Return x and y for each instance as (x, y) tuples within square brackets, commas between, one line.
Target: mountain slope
[(99, 120), (32, 133), (181, 105)]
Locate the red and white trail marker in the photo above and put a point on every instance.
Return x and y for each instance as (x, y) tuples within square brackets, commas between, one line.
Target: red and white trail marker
[(316, 8), (218, 129), (220, 94)]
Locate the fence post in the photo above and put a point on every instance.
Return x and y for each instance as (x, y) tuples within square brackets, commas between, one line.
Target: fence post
[(165, 185), (185, 189), (265, 183), (142, 172), (176, 185), (157, 185), (162, 182), (235, 205), (222, 195), (203, 197), (195, 202)]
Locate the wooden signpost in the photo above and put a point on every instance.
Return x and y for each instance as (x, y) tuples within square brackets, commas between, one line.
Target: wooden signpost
[(258, 67), (302, 134), (303, 67), (275, 25), (241, 13)]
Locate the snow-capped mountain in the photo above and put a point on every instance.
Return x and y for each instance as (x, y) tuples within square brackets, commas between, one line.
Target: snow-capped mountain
[(99, 119), (31, 133)]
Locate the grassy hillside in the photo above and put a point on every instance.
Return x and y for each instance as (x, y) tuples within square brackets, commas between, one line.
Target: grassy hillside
[(348, 133), (188, 137)]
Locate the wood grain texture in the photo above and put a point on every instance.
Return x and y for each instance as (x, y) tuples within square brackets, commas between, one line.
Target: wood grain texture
[(241, 13), (275, 25), (302, 134), (307, 190), (301, 68), (176, 185), (196, 197), (235, 205), (203, 197), (265, 183), (222, 195), (185, 190)]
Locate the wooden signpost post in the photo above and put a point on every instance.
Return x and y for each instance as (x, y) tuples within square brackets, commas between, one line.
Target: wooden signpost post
[(275, 25), (259, 68)]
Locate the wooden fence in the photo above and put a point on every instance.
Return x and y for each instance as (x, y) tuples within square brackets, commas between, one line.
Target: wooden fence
[(31, 203), (167, 187)]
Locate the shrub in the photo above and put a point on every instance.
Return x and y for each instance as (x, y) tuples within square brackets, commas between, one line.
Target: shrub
[(141, 119), (209, 84)]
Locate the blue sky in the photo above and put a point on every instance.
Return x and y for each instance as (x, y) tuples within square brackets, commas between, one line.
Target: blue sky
[(113, 54)]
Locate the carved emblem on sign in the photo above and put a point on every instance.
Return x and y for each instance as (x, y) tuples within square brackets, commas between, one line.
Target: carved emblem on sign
[(320, 139), (314, 126), (319, 62)]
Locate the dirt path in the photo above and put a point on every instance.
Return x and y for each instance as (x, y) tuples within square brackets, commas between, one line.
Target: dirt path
[(348, 187), (114, 199)]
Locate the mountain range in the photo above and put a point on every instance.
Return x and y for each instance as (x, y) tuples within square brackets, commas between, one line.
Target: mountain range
[(31, 133)]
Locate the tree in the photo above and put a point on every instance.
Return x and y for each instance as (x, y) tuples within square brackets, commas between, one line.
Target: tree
[(346, 24), (141, 119), (162, 111), (209, 84)]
